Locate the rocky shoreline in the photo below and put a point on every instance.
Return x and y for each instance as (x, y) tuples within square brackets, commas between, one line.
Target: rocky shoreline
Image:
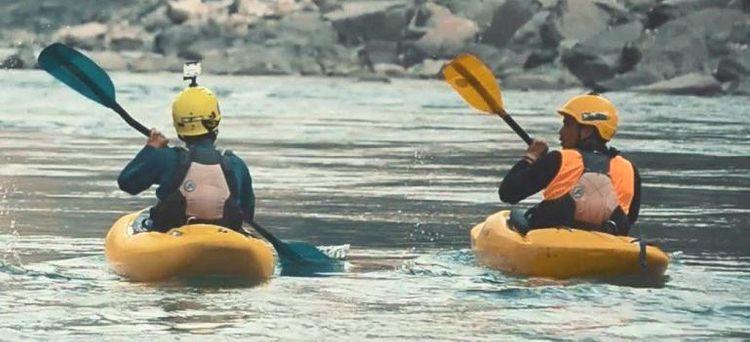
[(697, 47)]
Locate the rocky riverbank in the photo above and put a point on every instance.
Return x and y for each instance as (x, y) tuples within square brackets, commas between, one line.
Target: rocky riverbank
[(668, 46)]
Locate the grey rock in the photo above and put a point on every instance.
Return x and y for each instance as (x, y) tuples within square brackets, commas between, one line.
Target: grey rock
[(328, 5), (741, 5), (733, 67), (637, 77), (590, 67), (613, 39), (740, 33), (550, 77), (88, 36), (389, 70), (446, 34), (689, 84), (581, 19), (382, 52), (478, 11), (540, 57), (361, 21), (740, 88), (125, 37), (155, 20), (20, 58), (176, 40), (531, 33), (152, 62), (679, 46), (109, 60), (507, 19), (180, 11), (429, 68)]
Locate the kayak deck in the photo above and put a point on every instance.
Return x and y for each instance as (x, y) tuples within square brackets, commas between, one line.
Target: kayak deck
[(561, 253), (189, 251)]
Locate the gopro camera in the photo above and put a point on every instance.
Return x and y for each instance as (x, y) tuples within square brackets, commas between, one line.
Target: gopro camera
[(190, 71)]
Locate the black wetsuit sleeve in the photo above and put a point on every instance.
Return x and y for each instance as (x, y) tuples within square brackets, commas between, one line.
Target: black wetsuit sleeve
[(525, 179), (635, 203)]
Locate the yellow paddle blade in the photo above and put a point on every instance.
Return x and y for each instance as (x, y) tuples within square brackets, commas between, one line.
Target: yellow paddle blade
[(476, 84)]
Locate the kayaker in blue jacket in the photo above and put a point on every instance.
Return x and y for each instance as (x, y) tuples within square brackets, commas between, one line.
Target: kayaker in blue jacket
[(587, 184), (196, 183)]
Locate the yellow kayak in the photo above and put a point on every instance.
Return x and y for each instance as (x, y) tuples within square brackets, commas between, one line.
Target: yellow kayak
[(188, 251), (563, 252)]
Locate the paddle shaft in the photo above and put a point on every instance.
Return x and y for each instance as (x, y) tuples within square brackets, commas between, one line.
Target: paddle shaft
[(280, 246), (475, 84), (516, 128), (129, 119)]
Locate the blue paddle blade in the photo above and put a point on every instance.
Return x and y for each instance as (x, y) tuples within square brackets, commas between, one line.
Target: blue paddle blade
[(78, 72), (311, 261)]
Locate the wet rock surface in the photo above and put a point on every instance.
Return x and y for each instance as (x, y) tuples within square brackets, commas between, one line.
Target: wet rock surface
[(672, 46)]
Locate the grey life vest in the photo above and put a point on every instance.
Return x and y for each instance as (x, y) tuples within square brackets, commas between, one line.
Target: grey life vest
[(203, 191)]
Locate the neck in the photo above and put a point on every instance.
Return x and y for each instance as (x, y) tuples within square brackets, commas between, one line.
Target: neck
[(593, 145)]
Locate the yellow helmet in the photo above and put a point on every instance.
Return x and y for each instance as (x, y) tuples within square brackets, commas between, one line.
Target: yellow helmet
[(593, 110), (195, 112)]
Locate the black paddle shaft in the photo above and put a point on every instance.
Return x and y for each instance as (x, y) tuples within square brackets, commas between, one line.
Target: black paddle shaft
[(514, 125), (129, 119)]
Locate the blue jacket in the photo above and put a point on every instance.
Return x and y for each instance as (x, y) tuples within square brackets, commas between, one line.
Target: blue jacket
[(158, 166)]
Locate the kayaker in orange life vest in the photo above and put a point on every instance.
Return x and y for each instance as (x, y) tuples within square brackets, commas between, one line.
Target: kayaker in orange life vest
[(197, 183), (587, 184)]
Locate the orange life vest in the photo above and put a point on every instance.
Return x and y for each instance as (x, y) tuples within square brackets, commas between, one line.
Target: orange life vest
[(596, 190)]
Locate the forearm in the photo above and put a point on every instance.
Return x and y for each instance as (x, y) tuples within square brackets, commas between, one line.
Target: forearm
[(527, 178), (139, 174)]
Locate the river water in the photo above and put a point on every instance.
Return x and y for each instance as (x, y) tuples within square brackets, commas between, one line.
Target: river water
[(400, 172)]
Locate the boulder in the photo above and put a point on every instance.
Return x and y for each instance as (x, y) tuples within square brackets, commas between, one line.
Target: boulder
[(109, 60), (22, 57), (740, 88), (581, 19), (531, 33), (429, 68), (689, 84), (733, 67), (122, 36), (152, 62), (679, 47), (613, 39), (447, 34), (179, 11), (635, 78), (590, 67), (740, 33), (156, 20), (326, 6), (176, 39), (252, 8), (550, 77), (488, 53), (603, 55), (382, 51), (88, 36), (507, 19), (741, 5), (478, 11), (389, 70), (618, 14), (540, 57), (361, 21)]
